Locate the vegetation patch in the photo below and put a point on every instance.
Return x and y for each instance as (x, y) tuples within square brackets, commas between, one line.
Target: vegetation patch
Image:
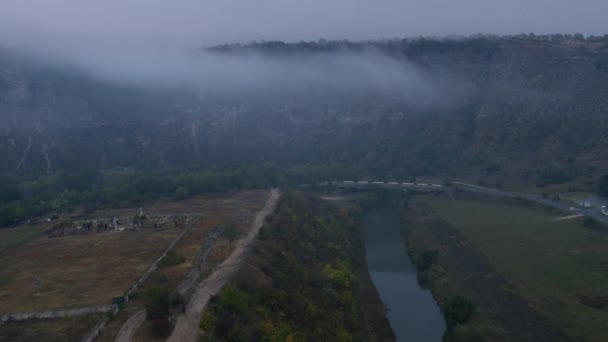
[(15, 237), (547, 262), (172, 258), (65, 329), (157, 301), (458, 310), (424, 259), (230, 231), (90, 269), (306, 281)]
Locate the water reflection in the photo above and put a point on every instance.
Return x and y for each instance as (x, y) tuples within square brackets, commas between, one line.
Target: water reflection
[(413, 314)]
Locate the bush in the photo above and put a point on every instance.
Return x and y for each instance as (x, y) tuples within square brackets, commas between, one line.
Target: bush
[(157, 308), (181, 193), (176, 299), (462, 333), (589, 222), (230, 231), (553, 174), (458, 310), (425, 259), (171, 259)]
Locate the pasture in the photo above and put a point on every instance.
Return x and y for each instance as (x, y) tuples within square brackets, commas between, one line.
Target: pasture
[(557, 266)]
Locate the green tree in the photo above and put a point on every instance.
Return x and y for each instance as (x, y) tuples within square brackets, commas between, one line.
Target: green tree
[(182, 192), (425, 259), (157, 309), (458, 310)]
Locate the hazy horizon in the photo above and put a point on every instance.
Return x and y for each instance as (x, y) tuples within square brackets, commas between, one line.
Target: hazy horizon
[(150, 42), (235, 21)]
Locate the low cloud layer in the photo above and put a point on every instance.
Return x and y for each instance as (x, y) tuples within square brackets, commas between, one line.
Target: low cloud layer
[(248, 74), (157, 43)]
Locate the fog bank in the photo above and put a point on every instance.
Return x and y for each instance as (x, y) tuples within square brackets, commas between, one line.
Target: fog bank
[(249, 73)]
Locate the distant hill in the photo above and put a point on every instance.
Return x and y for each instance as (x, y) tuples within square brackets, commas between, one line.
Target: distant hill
[(530, 109)]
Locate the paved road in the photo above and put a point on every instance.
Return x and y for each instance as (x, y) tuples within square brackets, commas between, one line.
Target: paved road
[(564, 206), (126, 332), (594, 213), (187, 326)]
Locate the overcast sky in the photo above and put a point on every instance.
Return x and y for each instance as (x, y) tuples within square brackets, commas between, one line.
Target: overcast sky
[(217, 21)]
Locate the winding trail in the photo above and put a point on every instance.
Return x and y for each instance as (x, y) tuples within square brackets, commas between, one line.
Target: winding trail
[(569, 217), (187, 326)]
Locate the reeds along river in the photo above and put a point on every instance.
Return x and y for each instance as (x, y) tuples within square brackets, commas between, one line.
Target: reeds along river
[(412, 311)]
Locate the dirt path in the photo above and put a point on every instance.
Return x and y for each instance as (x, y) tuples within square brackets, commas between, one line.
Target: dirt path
[(187, 326), (569, 217), (126, 332)]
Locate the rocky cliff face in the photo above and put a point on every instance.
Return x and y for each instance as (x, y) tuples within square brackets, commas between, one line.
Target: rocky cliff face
[(517, 107)]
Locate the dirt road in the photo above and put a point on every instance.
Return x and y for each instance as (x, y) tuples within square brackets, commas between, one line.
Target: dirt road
[(187, 326), (126, 332)]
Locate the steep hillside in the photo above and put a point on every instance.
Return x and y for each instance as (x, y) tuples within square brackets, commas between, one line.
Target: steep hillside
[(513, 108)]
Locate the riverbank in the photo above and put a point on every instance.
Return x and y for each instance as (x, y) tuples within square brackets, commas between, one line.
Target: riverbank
[(412, 311), (528, 274)]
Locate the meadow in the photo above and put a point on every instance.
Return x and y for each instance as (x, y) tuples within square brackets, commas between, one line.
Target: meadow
[(553, 264)]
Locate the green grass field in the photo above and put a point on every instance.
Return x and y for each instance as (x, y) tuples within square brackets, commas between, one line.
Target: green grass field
[(550, 263)]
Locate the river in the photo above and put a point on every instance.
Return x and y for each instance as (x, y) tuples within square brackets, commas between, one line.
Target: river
[(413, 314)]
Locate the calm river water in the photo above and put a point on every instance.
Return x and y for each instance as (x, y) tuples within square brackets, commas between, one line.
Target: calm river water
[(413, 314)]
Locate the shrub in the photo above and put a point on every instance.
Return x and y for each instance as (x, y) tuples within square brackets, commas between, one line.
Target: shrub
[(181, 193), (589, 222), (458, 310), (554, 174), (157, 308), (171, 259), (176, 299), (425, 259), (463, 333), (230, 231)]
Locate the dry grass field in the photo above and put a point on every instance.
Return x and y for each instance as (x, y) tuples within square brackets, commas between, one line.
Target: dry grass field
[(49, 330), (78, 270), (239, 208)]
